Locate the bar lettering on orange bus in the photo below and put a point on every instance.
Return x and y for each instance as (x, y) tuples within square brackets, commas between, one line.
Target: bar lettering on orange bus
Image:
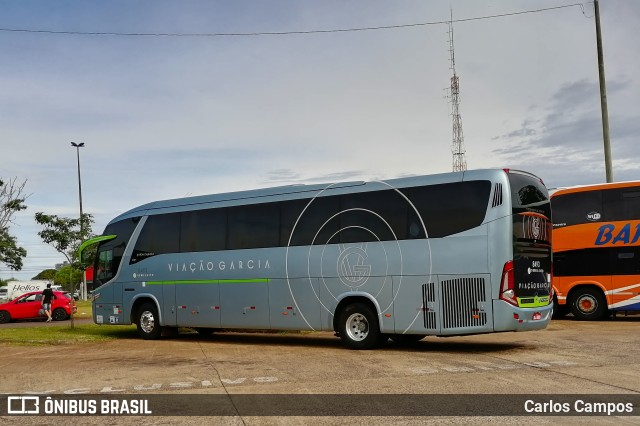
[(609, 234)]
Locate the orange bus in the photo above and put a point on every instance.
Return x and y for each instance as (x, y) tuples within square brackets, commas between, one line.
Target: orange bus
[(596, 249)]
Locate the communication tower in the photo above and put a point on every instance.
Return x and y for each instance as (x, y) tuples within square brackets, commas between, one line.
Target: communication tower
[(457, 146)]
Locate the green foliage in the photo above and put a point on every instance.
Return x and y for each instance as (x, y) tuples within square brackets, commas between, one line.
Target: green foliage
[(5, 282), (10, 253), (47, 274), (68, 277), (63, 334), (65, 234), (12, 201)]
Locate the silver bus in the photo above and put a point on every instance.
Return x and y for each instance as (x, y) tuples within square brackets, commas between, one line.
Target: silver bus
[(447, 254)]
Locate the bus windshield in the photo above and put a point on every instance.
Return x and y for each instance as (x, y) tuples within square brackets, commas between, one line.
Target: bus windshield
[(531, 239), (110, 252)]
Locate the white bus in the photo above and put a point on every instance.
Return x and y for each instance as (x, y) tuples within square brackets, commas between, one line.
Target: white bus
[(449, 254)]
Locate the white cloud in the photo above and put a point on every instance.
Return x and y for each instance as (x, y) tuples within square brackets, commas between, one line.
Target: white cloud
[(168, 117)]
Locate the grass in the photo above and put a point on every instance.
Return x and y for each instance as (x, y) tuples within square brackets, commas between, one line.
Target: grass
[(85, 309), (63, 334)]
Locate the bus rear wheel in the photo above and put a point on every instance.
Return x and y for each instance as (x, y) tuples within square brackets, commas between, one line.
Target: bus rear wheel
[(149, 322), (358, 327), (588, 304)]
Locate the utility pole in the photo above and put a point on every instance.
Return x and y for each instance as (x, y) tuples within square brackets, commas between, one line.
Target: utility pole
[(83, 285), (603, 97), (457, 145)]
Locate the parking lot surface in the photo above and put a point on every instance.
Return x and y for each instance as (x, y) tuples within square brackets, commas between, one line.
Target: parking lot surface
[(569, 357)]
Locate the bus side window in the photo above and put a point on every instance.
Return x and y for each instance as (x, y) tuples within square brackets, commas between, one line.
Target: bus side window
[(626, 261), (621, 204), (574, 209), (631, 204)]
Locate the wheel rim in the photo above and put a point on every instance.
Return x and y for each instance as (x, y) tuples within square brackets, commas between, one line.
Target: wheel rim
[(357, 327), (587, 304), (147, 322)]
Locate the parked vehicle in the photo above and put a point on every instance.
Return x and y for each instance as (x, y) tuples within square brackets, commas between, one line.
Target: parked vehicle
[(596, 247), (28, 305), (18, 288)]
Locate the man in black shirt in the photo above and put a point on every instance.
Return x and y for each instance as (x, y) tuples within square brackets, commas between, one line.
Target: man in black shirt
[(47, 299)]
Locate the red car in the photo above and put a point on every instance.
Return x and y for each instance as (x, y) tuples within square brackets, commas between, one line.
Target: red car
[(28, 305)]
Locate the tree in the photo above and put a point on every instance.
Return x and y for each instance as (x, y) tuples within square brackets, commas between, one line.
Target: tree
[(12, 200), (64, 234), (47, 274), (5, 282), (68, 277), (10, 253)]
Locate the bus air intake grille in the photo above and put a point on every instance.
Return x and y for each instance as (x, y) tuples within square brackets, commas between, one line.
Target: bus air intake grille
[(497, 195), (428, 301), (460, 303)]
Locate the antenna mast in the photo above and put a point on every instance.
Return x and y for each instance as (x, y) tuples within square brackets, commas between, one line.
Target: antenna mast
[(457, 146)]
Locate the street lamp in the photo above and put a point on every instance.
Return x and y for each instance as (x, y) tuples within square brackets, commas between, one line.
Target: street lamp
[(77, 146)]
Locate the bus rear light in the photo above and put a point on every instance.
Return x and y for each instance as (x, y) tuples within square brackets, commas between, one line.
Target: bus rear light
[(507, 292)]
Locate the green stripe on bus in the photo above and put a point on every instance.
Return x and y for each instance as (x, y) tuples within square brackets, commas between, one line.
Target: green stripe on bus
[(533, 302), (245, 281)]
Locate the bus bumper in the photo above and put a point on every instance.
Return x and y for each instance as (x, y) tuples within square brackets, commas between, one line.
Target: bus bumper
[(108, 313), (507, 317)]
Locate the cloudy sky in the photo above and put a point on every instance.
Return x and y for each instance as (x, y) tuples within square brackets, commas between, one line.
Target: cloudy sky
[(166, 116)]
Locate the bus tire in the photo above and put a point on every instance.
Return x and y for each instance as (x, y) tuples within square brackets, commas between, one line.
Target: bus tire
[(149, 322), (589, 304), (406, 339), (358, 327)]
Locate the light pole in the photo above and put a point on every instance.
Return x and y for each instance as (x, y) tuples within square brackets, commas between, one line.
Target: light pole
[(603, 97), (77, 146)]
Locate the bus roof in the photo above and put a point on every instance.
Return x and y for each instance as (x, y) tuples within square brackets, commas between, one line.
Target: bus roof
[(298, 191), (594, 187)]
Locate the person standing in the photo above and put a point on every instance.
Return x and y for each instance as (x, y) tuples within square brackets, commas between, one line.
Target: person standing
[(47, 300)]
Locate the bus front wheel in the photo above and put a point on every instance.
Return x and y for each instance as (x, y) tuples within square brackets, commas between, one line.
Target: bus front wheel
[(358, 327), (149, 322), (588, 304)]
